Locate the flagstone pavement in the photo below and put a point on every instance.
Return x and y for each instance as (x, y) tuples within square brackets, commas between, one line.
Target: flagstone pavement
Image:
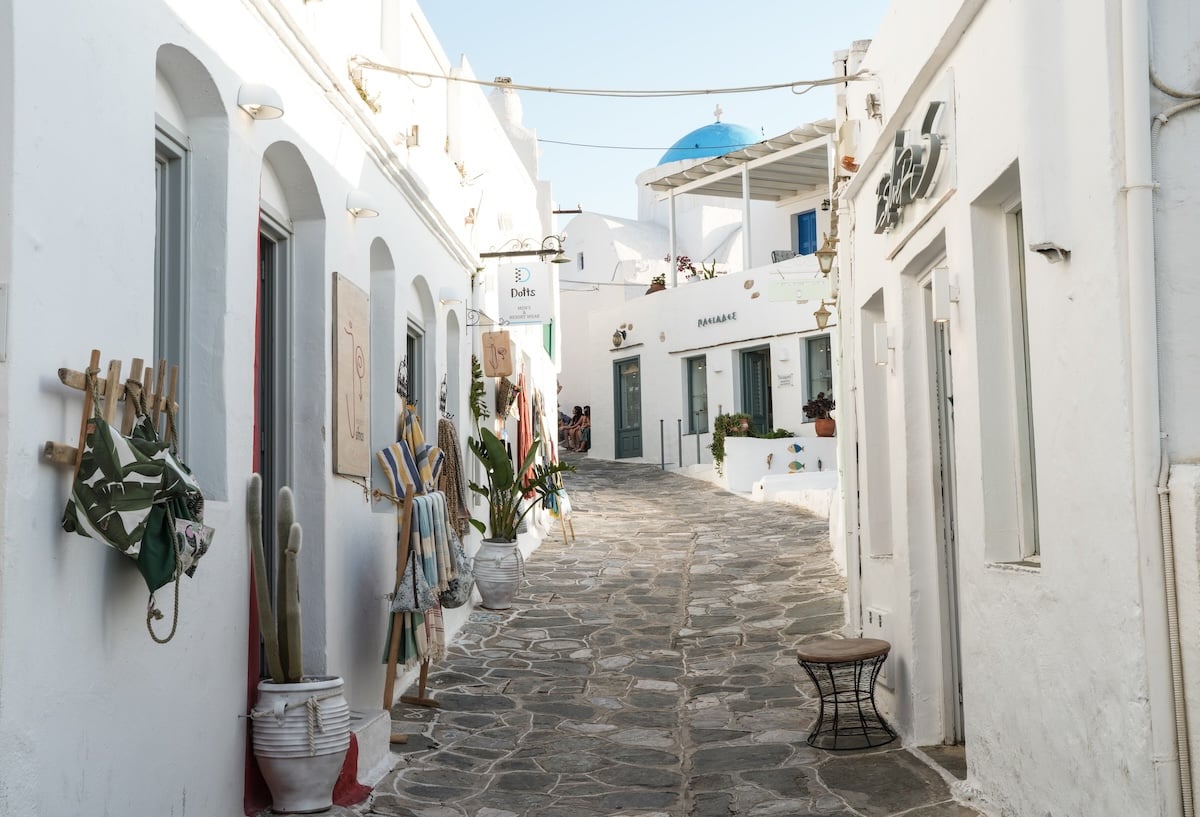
[(648, 669)]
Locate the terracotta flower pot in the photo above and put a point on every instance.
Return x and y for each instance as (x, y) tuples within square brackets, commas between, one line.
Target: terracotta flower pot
[(826, 426), (656, 287)]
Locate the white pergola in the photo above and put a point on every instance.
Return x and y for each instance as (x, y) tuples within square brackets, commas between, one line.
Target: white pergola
[(797, 162)]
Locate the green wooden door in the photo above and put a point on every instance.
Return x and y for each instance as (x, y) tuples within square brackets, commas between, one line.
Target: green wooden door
[(627, 407)]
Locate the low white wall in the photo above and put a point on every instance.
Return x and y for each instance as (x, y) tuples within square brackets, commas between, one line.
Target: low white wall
[(749, 459)]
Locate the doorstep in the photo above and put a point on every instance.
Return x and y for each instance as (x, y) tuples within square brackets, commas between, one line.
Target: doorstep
[(372, 730)]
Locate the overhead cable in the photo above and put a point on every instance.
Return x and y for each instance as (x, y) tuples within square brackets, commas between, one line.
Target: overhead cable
[(805, 85)]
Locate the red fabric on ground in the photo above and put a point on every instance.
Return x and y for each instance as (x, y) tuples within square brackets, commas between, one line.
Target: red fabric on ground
[(347, 791)]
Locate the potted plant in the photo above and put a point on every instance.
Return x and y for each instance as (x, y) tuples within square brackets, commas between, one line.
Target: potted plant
[(300, 725), (726, 425), (498, 562), (817, 409), (657, 284)]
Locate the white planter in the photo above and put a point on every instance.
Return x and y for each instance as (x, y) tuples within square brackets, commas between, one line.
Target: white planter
[(300, 733), (498, 567)]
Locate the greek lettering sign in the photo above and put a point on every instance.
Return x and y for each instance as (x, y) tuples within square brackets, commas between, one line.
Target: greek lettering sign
[(525, 293), (916, 163), (709, 321)]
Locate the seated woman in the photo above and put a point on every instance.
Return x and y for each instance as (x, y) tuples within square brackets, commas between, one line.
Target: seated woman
[(579, 435), (565, 426)]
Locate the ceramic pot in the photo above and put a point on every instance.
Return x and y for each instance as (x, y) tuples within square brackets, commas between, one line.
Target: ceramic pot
[(656, 287), (825, 426), (498, 568), (300, 733)]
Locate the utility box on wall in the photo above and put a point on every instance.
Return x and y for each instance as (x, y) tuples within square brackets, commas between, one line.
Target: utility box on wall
[(878, 624)]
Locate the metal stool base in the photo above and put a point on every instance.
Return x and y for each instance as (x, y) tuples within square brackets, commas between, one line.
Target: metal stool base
[(848, 719)]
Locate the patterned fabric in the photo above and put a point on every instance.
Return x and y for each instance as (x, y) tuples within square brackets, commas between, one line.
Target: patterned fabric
[(135, 495), (459, 591), (413, 466), (451, 482)]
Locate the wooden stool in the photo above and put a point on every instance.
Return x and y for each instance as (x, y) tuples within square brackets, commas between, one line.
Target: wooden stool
[(844, 672)]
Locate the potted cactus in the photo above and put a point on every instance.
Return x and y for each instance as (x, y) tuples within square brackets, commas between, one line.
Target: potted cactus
[(300, 725)]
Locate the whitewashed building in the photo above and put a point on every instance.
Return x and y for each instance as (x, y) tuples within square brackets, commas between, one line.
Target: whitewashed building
[(150, 207), (657, 367), (1017, 203)]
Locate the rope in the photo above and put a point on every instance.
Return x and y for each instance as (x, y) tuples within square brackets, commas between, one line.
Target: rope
[(314, 718), (152, 611)]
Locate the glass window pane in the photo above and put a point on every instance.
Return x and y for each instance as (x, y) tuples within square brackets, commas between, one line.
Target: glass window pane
[(819, 359)]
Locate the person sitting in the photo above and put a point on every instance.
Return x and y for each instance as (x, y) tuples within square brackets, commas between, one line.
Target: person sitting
[(576, 432), (565, 426)]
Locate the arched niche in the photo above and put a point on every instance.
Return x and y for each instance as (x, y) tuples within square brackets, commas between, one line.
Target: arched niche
[(386, 351), (296, 339), (191, 130), (421, 326)]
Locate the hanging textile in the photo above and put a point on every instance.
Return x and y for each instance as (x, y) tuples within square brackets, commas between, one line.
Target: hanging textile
[(524, 428), (451, 482), (413, 466)]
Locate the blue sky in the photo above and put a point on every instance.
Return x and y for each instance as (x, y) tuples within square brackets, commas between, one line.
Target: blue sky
[(651, 44)]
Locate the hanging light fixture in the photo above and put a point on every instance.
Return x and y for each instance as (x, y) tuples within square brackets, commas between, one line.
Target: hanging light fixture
[(560, 257), (360, 205), (260, 101), (822, 315), (825, 255)]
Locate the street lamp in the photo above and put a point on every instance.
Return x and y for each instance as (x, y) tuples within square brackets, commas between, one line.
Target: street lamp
[(822, 315), (825, 255)]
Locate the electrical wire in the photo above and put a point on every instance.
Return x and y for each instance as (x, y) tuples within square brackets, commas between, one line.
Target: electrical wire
[(807, 85), (633, 147)]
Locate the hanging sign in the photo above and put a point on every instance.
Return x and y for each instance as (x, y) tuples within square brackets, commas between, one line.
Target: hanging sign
[(351, 387), (916, 163), (497, 362), (525, 293)]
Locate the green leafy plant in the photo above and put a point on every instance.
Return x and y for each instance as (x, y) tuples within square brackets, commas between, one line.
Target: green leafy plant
[(477, 397), (506, 488), (278, 623), (777, 434), (726, 425), (818, 408), (661, 280)]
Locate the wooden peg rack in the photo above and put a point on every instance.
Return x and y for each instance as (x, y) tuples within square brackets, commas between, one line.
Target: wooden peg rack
[(112, 391)]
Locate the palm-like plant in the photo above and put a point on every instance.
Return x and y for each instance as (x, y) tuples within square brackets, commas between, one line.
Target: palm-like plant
[(505, 487)]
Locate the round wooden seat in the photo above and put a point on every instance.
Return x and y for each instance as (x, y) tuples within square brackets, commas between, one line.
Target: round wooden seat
[(841, 650), (844, 672)]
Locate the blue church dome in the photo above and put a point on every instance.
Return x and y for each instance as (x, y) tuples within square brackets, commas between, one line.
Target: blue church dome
[(716, 139)]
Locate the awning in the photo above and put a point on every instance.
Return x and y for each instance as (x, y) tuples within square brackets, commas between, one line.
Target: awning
[(794, 163)]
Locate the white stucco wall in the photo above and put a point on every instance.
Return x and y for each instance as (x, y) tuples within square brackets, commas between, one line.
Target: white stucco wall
[(665, 332), (83, 690), (1056, 659)]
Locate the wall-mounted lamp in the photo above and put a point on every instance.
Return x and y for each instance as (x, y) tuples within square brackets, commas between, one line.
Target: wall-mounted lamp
[(944, 294), (360, 205), (260, 101), (552, 245), (449, 296), (825, 205), (618, 337), (826, 254), (783, 356), (883, 345), (1051, 251), (822, 315)]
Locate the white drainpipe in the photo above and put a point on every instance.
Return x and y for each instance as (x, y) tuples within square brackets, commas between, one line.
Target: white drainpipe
[(1151, 467)]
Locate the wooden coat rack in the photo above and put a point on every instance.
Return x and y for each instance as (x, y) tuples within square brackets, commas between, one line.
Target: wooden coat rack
[(144, 380), (403, 550)]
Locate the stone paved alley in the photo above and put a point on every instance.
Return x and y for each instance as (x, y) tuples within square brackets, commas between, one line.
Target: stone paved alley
[(649, 669)]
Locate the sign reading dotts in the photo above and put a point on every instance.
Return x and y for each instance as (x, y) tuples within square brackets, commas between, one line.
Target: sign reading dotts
[(526, 295)]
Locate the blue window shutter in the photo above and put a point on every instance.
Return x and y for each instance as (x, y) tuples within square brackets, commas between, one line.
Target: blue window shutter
[(806, 232)]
